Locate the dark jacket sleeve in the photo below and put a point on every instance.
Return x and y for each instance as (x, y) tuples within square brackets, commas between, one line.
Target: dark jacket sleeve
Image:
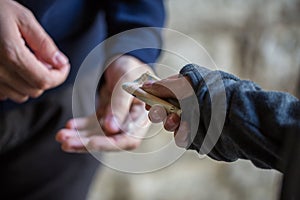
[(145, 17), (256, 121)]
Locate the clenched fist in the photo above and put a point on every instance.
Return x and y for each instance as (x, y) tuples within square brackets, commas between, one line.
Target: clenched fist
[(30, 62)]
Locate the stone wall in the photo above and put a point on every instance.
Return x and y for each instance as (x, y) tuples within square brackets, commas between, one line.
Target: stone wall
[(257, 40)]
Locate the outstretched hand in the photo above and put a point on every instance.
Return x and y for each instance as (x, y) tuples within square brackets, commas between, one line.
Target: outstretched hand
[(122, 118)]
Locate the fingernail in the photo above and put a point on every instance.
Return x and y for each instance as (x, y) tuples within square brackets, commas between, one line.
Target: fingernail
[(157, 113), (60, 58)]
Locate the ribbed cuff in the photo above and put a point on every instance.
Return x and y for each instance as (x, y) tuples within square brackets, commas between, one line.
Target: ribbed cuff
[(195, 73)]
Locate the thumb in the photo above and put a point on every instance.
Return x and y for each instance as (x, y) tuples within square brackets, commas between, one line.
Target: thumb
[(159, 88), (177, 88), (117, 112), (40, 42)]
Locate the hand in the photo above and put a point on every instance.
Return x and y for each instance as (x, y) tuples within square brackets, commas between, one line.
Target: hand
[(27, 72), (177, 88), (123, 118)]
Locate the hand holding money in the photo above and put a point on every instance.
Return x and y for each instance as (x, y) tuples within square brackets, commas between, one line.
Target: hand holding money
[(135, 88)]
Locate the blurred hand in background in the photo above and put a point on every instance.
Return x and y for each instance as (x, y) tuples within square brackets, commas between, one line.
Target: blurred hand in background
[(122, 118)]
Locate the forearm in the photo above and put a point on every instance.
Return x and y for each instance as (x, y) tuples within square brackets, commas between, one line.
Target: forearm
[(256, 122)]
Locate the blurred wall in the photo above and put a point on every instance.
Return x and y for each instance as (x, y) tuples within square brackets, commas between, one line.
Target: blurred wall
[(258, 40)]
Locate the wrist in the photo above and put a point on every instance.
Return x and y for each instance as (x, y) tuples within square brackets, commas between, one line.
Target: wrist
[(127, 67), (194, 74)]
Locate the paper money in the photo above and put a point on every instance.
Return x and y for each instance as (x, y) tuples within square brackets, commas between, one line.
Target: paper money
[(134, 88)]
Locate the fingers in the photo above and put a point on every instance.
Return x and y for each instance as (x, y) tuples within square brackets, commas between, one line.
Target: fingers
[(178, 88), (75, 136), (39, 41), (12, 94), (84, 141), (83, 123), (123, 119), (137, 123), (116, 111), (111, 124), (100, 143), (27, 72), (75, 145), (65, 134), (137, 111), (26, 76), (124, 114), (93, 139), (172, 122), (113, 143), (37, 74), (157, 114), (17, 88), (159, 89), (181, 135), (17, 84)]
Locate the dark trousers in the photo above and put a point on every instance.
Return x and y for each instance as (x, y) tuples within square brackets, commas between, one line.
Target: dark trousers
[(32, 165)]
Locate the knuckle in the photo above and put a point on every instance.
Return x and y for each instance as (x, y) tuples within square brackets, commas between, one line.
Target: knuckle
[(25, 17), (21, 99), (50, 81), (43, 42), (36, 93), (167, 127), (42, 84), (9, 52), (47, 43)]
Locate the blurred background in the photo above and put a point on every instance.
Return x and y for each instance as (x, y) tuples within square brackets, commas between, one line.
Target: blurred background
[(257, 40)]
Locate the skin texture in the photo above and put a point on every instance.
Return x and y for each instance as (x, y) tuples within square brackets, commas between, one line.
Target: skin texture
[(116, 111), (174, 87), (30, 62)]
